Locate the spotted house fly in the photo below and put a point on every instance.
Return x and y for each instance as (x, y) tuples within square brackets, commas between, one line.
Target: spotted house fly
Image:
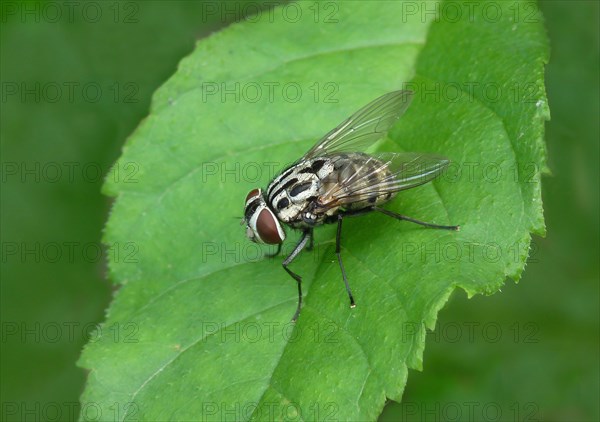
[(335, 179)]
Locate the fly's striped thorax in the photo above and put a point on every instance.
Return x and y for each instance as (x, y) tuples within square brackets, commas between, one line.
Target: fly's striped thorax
[(290, 193)]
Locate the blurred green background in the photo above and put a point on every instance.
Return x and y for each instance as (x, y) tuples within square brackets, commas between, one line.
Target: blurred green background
[(530, 352)]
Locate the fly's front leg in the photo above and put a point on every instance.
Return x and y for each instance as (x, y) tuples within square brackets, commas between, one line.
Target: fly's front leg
[(295, 276), (274, 254), (412, 220), (338, 239)]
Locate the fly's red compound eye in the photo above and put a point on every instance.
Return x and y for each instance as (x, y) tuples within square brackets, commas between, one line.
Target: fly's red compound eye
[(268, 228), (252, 194)]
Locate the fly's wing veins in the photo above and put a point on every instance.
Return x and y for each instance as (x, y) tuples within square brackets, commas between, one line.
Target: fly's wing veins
[(364, 127), (382, 174)]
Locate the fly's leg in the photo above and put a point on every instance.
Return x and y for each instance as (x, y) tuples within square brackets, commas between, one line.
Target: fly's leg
[(274, 254), (412, 220), (338, 239), (295, 276), (312, 240), (350, 213), (338, 244)]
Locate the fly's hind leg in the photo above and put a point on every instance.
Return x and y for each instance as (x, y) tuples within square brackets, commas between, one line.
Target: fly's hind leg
[(338, 246), (350, 213), (412, 220)]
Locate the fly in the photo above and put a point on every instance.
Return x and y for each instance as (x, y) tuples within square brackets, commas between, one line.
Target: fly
[(335, 179)]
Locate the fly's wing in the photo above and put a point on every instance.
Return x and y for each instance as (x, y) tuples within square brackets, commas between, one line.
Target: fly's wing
[(380, 174), (364, 127)]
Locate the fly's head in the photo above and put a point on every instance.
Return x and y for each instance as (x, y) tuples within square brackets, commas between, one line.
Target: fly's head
[(262, 225)]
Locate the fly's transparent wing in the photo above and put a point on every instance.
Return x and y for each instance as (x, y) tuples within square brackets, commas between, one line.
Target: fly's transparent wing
[(364, 127), (378, 175)]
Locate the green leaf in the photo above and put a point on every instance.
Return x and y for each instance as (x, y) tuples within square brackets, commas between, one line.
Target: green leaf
[(204, 320)]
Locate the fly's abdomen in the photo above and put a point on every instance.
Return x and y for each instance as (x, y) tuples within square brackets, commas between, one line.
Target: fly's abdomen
[(353, 183)]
